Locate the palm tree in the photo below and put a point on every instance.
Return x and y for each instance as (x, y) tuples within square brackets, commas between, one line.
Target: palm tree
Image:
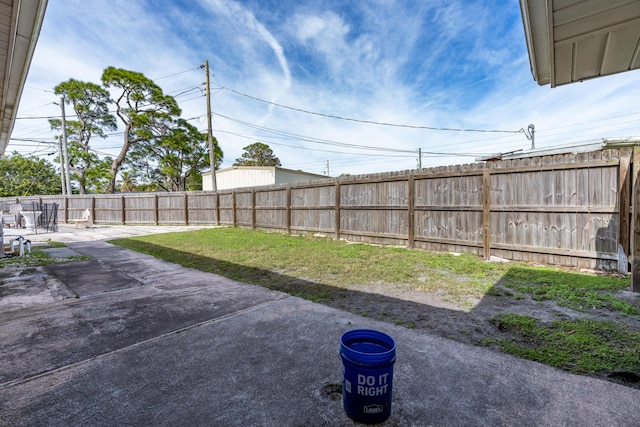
[(127, 183)]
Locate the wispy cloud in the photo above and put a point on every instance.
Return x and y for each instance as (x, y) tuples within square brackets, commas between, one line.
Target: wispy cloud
[(454, 64), (248, 22)]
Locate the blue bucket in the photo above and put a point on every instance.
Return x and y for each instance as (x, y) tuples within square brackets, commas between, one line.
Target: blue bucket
[(367, 366)]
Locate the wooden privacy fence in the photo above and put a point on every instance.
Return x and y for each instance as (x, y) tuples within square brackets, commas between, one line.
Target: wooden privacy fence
[(570, 209)]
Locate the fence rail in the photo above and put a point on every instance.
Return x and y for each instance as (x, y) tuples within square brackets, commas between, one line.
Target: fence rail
[(571, 209)]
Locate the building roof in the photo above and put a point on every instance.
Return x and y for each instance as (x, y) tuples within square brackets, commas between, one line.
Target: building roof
[(575, 40), (271, 168), (20, 23), (576, 147)]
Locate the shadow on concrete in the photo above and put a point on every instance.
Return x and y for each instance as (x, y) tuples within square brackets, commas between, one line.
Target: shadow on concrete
[(443, 321), (469, 326), (146, 302), (434, 316), (108, 314)]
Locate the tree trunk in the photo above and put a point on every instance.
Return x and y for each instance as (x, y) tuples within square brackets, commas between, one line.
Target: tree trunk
[(82, 181), (115, 165)]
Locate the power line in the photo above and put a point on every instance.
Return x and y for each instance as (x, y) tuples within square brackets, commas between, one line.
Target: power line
[(185, 90), (40, 89), (289, 135), (42, 117), (371, 121), (253, 137), (31, 145), (302, 138), (43, 140), (176, 74)]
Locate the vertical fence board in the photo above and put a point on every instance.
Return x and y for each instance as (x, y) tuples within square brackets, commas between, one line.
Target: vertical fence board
[(202, 208), (635, 236), (624, 201), (486, 213), (225, 208)]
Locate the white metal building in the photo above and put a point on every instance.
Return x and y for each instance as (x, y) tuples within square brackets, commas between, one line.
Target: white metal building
[(253, 176)]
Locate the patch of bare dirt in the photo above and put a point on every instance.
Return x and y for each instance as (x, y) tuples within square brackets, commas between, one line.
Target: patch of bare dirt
[(468, 321)]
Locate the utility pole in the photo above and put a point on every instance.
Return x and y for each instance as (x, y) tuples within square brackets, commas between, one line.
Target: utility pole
[(212, 154), (419, 158), (62, 175), (65, 148), (327, 168), (532, 132)]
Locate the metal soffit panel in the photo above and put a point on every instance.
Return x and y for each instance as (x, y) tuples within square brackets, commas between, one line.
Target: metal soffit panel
[(20, 23), (575, 40)]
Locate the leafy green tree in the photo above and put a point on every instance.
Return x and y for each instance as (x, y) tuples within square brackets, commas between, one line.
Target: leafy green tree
[(90, 103), (127, 182), (99, 177), (178, 152), (27, 176), (194, 181), (257, 154), (141, 106), (148, 187)]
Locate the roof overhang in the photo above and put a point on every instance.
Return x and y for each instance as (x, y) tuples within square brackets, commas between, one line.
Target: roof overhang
[(574, 40), (20, 22)]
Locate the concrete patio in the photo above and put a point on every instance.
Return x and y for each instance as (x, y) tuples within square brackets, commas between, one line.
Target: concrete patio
[(126, 339)]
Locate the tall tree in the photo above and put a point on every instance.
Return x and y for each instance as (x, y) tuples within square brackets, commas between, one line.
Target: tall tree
[(178, 152), (27, 176), (99, 176), (194, 181), (127, 182), (90, 103), (141, 106), (257, 154)]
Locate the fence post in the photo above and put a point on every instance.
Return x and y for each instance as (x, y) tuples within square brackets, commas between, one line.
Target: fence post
[(624, 201), (288, 209), (93, 208), (124, 210), (486, 212), (217, 208), (635, 237), (156, 215), (233, 208), (411, 203), (337, 210), (186, 209), (253, 208)]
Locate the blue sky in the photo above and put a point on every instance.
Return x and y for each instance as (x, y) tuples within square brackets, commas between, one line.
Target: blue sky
[(458, 64)]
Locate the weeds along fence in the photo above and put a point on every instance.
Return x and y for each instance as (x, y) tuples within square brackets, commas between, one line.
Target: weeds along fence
[(570, 209)]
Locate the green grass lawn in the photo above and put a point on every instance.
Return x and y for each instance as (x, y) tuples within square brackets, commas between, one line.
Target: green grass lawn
[(581, 345), (259, 257)]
